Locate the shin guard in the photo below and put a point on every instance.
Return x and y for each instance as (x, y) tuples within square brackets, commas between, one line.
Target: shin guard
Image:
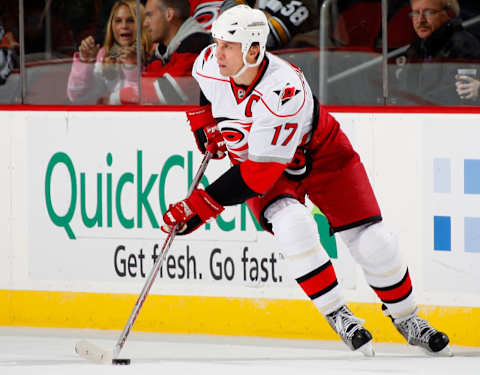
[(296, 234), (376, 250)]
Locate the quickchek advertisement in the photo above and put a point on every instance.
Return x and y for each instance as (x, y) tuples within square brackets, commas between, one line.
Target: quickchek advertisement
[(97, 186)]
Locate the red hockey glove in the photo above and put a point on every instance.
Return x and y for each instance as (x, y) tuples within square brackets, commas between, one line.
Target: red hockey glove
[(207, 134), (191, 212)]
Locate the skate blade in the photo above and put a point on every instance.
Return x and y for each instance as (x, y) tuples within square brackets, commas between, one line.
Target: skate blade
[(367, 349), (445, 352)]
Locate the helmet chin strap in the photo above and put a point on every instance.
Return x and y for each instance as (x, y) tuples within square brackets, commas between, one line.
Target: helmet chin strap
[(241, 71), (246, 65)]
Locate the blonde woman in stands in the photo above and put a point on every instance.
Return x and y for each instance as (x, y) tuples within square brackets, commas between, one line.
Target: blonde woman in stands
[(98, 73)]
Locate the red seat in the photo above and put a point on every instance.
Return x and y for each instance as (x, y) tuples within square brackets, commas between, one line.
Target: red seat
[(359, 24), (400, 29)]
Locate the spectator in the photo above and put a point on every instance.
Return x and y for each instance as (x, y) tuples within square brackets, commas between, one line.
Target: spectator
[(9, 16), (104, 10), (429, 66), (102, 72), (7, 39), (204, 11), (180, 39), (291, 23), (8, 56)]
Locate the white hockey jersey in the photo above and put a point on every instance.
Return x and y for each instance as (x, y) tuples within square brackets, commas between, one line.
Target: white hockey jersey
[(266, 122)]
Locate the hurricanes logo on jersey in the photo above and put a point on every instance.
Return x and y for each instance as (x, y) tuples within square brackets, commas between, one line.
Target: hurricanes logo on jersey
[(235, 133), (286, 94)]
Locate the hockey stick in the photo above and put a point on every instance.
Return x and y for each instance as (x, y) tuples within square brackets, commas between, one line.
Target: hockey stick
[(95, 354)]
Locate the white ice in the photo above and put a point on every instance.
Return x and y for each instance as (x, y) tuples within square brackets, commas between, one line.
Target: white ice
[(38, 351)]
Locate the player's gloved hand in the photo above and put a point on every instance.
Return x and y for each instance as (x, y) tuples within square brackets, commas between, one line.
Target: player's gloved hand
[(207, 134), (192, 212)]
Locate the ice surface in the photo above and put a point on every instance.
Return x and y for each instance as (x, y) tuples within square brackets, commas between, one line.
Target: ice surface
[(51, 351)]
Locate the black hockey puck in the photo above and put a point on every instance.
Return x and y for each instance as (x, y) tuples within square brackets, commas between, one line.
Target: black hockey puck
[(121, 361)]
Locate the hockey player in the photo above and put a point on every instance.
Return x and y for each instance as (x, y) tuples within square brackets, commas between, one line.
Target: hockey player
[(283, 146)]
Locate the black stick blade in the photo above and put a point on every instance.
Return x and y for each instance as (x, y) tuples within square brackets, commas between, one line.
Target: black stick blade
[(121, 361)]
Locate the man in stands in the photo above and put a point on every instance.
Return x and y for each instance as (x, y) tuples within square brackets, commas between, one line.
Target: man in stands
[(425, 74)]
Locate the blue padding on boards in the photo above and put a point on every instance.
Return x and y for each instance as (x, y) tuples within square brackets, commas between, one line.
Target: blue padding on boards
[(442, 233)]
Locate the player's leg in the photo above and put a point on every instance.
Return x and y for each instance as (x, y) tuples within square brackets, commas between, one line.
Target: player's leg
[(297, 237), (376, 250), (347, 199)]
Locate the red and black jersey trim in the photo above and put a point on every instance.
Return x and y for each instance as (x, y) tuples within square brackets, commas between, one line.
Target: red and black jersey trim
[(319, 281), (368, 220), (396, 292), (236, 88)]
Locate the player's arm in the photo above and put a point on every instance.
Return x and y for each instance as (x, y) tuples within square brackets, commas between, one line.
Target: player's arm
[(228, 190), (201, 120), (205, 129), (271, 146), (274, 136), (242, 181), (268, 158)]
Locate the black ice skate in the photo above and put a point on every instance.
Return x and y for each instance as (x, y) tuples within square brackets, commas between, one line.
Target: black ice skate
[(419, 332), (350, 329)]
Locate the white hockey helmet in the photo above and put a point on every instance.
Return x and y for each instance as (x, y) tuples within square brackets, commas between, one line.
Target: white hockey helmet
[(244, 25)]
